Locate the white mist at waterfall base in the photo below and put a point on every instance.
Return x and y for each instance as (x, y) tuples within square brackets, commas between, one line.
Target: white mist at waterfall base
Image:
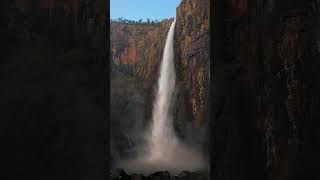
[(164, 150)]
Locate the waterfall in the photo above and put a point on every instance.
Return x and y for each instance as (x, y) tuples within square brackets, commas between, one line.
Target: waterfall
[(164, 150), (162, 134)]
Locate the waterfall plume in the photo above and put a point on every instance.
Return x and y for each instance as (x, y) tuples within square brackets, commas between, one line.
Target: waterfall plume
[(164, 149), (162, 135)]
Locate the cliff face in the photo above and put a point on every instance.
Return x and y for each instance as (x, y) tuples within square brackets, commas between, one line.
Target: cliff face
[(192, 49), (266, 90), (137, 49)]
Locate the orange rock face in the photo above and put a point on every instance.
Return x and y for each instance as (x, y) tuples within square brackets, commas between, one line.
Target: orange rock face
[(138, 48), (129, 54)]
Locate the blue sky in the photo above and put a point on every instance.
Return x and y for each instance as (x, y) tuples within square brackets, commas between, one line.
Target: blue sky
[(143, 9)]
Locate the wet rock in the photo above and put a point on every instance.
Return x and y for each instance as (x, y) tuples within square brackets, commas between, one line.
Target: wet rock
[(119, 174)]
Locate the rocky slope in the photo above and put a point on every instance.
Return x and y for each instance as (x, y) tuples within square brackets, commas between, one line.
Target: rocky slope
[(266, 90)]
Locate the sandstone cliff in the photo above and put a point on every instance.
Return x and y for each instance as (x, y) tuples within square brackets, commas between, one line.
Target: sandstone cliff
[(137, 49), (192, 63)]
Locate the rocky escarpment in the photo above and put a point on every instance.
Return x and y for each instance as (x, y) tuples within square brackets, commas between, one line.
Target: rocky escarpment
[(192, 65), (137, 49), (266, 90)]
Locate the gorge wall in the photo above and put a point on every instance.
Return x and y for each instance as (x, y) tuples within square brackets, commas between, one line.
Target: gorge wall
[(136, 53), (137, 49), (266, 90), (192, 63)]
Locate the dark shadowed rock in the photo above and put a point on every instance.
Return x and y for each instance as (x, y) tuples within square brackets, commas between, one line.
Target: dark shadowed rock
[(162, 175), (119, 174), (53, 106), (186, 175), (137, 177), (266, 90)]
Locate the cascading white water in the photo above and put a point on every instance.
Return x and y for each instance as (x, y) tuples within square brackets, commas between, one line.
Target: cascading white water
[(162, 135), (165, 150)]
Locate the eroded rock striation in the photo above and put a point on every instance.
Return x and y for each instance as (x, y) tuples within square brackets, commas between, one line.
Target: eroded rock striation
[(192, 63)]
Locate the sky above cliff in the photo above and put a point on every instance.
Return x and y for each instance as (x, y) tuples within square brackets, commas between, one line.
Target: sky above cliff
[(143, 9)]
